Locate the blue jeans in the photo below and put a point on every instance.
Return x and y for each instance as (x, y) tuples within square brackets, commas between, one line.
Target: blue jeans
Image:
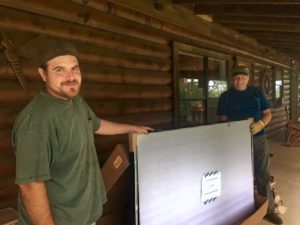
[(262, 175)]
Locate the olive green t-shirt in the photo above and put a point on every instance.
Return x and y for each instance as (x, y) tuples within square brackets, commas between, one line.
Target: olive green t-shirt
[(53, 140)]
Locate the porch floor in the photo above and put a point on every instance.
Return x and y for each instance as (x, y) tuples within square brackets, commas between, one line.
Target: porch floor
[(285, 167)]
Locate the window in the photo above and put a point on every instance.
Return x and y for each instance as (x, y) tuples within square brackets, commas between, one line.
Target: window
[(191, 91), (216, 87), (278, 87), (200, 76), (217, 70)]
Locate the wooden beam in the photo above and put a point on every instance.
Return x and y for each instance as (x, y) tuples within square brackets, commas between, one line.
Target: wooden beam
[(276, 36), (292, 52), (196, 29), (118, 91), (85, 16), (126, 107), (153, 119), (255, 20), (249, 10), (239, 2), (282, 44), (263, 27)]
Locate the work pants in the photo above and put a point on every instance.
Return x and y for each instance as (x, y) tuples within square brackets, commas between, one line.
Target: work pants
[(262, 174)]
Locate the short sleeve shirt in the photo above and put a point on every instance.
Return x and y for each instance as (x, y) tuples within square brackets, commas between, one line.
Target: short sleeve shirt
[(241, 105), (53, 140)]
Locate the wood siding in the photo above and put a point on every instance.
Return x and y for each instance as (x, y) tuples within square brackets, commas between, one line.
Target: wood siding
[(126, 62)]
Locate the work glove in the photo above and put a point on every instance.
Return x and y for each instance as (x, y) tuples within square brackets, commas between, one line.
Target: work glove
[(257, 126)]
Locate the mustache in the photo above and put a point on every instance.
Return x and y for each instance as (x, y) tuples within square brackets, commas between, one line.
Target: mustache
[(70, 82)]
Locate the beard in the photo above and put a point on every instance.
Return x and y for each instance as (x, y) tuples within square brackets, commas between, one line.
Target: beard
[(73, 88), (67, 90)]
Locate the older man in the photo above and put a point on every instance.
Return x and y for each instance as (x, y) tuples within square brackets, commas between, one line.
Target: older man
[(241, 102)]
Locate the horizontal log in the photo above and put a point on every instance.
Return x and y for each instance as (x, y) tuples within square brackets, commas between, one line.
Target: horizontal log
[(29, 72), (127, 76), (281, 129), (248, 10), (124, 107), (86, 16), (8, 115), (194, 29), (5, 142), (9, 203), (157, 119), (277, 125), (7, 155), (276, 114), (278, 109), (258, 65), (277, 134), (123, 12), (294, 52), (277, 120), (110, 91), (102, 74), (8, 189), (12, 94), (50, 28), (255, 20), (125, 60), (7, 169), (153, 119), (286, 81), (239, 2), (280, 36), (262, 27)]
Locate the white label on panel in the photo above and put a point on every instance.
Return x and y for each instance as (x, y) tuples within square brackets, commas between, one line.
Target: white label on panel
[(211, 186)]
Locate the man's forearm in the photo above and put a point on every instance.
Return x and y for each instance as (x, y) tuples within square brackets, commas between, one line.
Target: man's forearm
[(111, 128), (35, 198), (267, 116)]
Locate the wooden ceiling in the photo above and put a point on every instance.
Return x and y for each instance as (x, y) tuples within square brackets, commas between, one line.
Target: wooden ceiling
[(274, 23)]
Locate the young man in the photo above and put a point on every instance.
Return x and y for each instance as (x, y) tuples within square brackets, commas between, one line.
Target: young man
[(241, 102), (57, 168)]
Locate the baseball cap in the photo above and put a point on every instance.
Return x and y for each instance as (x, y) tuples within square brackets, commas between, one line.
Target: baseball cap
[(53, 48), (240, 70)]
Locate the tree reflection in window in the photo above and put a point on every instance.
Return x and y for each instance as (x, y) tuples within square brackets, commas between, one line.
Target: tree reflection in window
[(216, 88)]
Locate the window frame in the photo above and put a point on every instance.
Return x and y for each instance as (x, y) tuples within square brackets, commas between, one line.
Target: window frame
[(277, 101), (181, 48)]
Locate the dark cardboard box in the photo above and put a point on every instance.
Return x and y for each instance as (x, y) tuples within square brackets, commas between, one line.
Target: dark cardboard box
[(114, 218), (114, 166), (261, 206), (8, 216)]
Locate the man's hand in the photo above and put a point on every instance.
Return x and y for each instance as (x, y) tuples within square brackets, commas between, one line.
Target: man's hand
[(141, 129), (257, 126)]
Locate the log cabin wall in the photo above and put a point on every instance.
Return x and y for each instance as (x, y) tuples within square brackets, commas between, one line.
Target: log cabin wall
[(126, 61), (264, 79), (298, 97)]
